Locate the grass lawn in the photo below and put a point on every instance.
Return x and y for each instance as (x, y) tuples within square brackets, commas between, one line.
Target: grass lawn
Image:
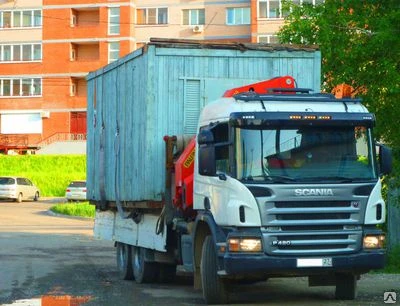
[(50, 173), (80, 209)]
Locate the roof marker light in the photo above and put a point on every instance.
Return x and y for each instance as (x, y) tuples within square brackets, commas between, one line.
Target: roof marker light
[(310, 117), (325, 117)]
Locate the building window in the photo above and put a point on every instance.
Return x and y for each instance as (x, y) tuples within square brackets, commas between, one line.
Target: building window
[(113, 20), (268, 39), (20, 87), (5, 18), (6, 53), (238, 15), (273, 8), (152, 16), (16, 54), (37, 18), (113, 51), (269, 8), (21, 53), (193, 17), (21, 19)]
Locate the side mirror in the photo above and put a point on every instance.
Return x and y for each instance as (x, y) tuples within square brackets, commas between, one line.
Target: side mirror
[(385, 159), (205, 137), (207, 164)]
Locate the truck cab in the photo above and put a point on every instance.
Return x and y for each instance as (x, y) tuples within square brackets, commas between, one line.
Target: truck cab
[(287, 184)]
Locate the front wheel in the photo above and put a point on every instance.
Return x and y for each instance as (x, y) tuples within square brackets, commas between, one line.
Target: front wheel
[(214, 288), (346, 287), (19, 198), (144, 272), (36, 197), (124, 261)]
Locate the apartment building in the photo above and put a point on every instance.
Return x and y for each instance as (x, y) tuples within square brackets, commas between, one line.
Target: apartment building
[(47, 47)]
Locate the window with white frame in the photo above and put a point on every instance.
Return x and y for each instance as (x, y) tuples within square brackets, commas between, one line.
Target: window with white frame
[(193, 17), (152, 15), (269, 8), (21, 53), (237, 15), (20, 19), (19, 87), (113, 51), (273, 8), (113, 20), (268, 39)]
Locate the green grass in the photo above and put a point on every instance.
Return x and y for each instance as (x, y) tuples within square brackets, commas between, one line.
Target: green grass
[(81, 209), (50, 173)]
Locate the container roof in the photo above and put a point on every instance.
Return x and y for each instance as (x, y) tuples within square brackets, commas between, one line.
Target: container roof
[(216, 44)]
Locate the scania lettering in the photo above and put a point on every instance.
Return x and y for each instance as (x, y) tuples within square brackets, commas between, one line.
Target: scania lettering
[(310, 192)]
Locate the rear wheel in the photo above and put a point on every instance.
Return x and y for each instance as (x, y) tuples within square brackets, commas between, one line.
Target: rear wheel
[(144, 272), (36, 197), (346, 286), (19, 198), (124, 261), (214, 288)]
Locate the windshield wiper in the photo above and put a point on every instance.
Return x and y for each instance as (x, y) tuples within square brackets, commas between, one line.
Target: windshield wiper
[(276, 179)]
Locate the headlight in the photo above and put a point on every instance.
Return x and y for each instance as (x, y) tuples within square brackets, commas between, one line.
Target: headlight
[(374, 242), (244, 245)]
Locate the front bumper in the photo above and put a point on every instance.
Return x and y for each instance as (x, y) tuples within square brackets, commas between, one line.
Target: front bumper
[(245, 264)]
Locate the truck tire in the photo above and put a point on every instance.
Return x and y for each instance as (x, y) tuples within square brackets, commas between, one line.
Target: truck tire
[(214, 288), (346, 286), (143, 272), (167, 273), (124, 261)]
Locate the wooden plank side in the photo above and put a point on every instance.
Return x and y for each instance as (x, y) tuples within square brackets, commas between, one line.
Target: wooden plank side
[(110, 226)]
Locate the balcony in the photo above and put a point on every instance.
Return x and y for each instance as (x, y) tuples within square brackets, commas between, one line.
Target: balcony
[(85, 23), (84, 56)]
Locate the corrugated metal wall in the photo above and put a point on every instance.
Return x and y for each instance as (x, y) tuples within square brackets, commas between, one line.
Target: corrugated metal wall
[(143, 97)]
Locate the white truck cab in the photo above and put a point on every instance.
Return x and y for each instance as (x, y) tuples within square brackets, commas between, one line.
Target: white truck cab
[(288, 184)]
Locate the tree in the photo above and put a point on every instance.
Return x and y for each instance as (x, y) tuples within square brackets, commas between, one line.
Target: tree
[(360, 46)]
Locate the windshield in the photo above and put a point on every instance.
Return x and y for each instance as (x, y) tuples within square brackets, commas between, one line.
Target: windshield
[(305, 154)]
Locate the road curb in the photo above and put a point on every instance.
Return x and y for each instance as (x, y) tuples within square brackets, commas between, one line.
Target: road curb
[(53, 214)]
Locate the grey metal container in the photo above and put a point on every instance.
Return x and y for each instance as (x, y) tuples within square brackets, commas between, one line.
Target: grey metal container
[(159, 90)]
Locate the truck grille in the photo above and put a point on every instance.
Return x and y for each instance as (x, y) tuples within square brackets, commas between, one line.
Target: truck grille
[(297, 213), (311, 227)]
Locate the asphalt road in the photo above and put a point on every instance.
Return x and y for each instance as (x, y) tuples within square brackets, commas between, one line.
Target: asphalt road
[(47, 255)]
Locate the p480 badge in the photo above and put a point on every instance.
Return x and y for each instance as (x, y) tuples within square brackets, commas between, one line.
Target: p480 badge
[(281, 243)]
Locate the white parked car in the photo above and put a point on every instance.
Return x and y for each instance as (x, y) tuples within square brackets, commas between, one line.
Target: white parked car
[(18, 189), (76, 191)]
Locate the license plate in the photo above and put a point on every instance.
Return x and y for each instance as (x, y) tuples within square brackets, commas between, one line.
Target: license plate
[(314, 262)]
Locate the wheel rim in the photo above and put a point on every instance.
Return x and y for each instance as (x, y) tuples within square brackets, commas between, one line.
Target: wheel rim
[(121, 257), (138, 260)]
